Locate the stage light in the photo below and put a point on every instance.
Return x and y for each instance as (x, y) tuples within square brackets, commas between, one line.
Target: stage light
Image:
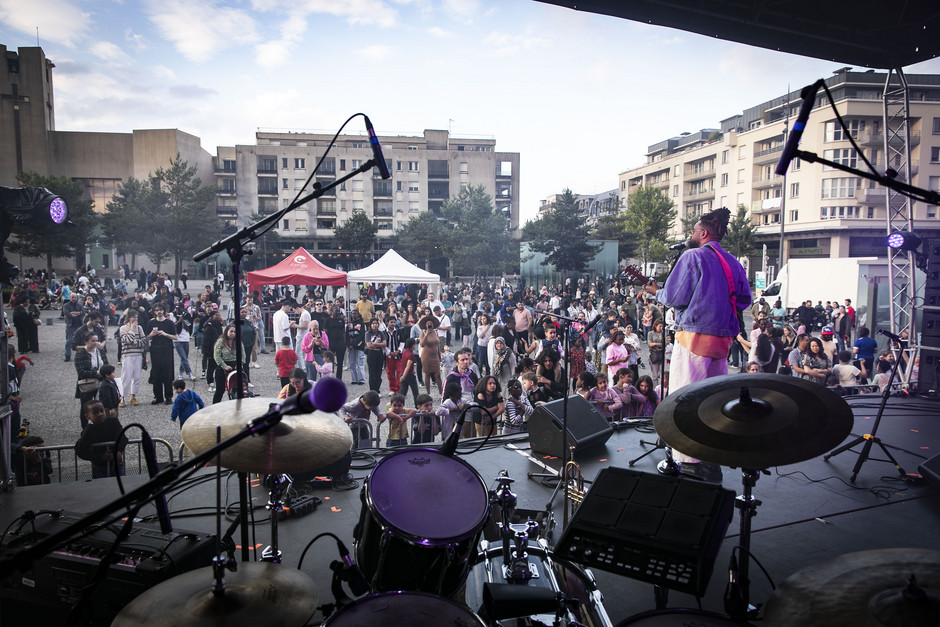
[(904, 240), (32, 204)]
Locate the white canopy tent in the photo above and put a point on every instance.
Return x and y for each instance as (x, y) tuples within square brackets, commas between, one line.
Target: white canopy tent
[(390, 268)]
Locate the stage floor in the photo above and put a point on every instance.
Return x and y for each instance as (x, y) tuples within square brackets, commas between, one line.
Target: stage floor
[(809, 512)]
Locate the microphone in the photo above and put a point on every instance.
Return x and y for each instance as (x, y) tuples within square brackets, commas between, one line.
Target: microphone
[(354, 576), (450, 446), (678, 246), (150, 455), (808, 94), (892, 336), (328, 394), (376, 149), (734, 603)]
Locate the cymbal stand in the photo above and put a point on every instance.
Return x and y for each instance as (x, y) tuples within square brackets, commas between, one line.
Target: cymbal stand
[(220, 563), (872, 438), (280, 484), (657, 445), (506, 499), (737, 595)]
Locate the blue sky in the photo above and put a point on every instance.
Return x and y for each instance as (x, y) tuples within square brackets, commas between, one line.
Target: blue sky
[(580, 96)]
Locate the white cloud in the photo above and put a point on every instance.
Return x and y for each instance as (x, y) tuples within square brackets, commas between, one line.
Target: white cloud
[(106, 51), (503, 43), (377, 52), (462, 8), (278, 52), (135, 39), (59, 21), (601, 71), (376, 12), (440, 33), (200, 28), (162, 71)]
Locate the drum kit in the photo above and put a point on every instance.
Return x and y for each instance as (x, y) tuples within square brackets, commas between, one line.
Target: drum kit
[(420, 540)]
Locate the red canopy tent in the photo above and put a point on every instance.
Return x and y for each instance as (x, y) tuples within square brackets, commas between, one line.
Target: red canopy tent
[(298, 268)]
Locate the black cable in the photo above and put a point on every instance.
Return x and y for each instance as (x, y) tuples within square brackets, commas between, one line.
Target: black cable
[(882, 492), (303, 554), (756, 561)]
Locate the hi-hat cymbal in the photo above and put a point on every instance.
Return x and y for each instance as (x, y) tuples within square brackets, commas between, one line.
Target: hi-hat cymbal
[(258, 593), (863, 589), (298, 443), (753, 420)]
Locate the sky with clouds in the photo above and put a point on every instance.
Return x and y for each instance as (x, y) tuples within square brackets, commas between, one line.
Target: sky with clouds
[(580, 96)]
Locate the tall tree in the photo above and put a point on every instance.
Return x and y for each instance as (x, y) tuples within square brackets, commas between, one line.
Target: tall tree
[(37, 240), (121, 225), (267, 247), (357, 234), (561, 235), (424, 237), (739, 241), (480, 241), (614, 227), (649, 216)]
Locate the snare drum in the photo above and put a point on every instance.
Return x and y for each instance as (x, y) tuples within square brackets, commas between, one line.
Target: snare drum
[(404, 608), (547, 572), (422, 516)]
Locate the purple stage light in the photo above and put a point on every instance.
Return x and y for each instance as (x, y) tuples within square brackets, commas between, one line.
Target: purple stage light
[(58, 211)]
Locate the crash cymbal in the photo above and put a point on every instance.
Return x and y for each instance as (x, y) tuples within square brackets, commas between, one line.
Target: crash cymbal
[(860, 589), (753, 420), (258, 593), (298, 443)]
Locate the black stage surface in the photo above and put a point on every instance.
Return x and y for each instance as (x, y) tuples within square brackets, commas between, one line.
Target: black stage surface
[(809, 512)]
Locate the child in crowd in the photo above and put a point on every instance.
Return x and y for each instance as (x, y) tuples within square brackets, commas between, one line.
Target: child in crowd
[(447, 359), (424, 423), (607, 402), (398, 421), (326, 368), (108, 392), (753, 368), (630, 398), (285, 359), (488, 395), (583, 385), (530, 386), (186, 403), (101, 430), (518, 408), (31, 467), (847, 373), (884, 371), (366, 404), (645, 386), (450, 408)]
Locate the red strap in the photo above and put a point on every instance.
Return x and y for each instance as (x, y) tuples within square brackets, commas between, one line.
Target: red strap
[(724, 266)]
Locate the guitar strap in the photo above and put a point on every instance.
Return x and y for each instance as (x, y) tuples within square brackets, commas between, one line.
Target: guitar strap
[(731, 291)]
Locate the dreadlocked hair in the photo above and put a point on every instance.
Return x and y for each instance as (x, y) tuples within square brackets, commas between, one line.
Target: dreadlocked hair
[(716, 221)]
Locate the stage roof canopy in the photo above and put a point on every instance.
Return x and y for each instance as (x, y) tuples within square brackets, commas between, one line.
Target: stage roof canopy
[(871, 33)]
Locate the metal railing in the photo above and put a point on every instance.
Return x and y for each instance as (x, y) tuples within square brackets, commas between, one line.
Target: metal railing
[(64, 454)]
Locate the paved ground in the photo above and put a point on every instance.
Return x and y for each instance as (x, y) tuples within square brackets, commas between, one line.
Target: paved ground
[(52, 409)]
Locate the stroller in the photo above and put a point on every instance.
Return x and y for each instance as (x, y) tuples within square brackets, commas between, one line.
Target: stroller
[(231, 385)]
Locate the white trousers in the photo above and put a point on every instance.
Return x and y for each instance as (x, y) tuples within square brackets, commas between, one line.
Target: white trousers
[(130, 375), (686, 367)]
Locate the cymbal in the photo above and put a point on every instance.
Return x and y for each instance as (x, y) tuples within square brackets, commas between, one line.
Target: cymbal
[(297, 443), (753, 420), (258, 593), (859, 589)]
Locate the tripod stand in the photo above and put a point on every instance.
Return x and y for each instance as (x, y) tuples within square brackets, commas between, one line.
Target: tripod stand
[(872, 438)]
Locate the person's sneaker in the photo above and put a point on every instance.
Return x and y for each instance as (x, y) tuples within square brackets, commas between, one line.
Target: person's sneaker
[(251, 385), (156, 402), (212, 388), (134, 400), (256, 365), (192, 377), (68, 359), (121, 404), (168, 402), (203, 374)]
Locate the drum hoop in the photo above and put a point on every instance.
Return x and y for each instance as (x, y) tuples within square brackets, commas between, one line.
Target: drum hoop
[(386, 526), (396, 594)]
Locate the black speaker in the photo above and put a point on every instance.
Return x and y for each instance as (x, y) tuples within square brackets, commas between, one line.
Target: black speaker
[(587, 428), (928, 380), (930, 470)]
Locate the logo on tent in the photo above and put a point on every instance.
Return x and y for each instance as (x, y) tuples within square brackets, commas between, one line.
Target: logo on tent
[(300, 259)]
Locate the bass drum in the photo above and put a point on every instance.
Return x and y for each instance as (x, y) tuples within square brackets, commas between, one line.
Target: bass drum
[(422, 516), (679, 618), (548, 572), (415, 609)]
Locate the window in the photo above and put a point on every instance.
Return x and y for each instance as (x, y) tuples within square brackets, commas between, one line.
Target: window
[(740, 176), (843, 156), (284, 163), (299, 164), (755, 124), (464, 167), (934, 184), (286, 225), (412, 147), (357, 145), (931, 210), (871, 212), (840, 187), (794, 190), (740, 200), (398, 186), (413, 206), (412, 186), (299, 183), (228, 165), (357, 205), (839, 213), (357, 185), (935, 154), (284, 183), (678, 170), (794, 215), (742, 152), (936, 126), (675, 190), (412, 166), (356, 164), (724, 180), (326, 224), (398, 166), (725, 154), (834, 133), (795, 165), (300, 224), (228, 185)]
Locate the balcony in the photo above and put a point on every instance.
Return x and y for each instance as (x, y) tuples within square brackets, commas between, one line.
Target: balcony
[(226, 192), (267, 191), (768, 182), (768, 205), (224, 172), (877, 138), (226, 212), (382, 213), (769, 155), (699, 194), (692, 174), (267, 171), (381, 189), (326, 212), (871, 196)]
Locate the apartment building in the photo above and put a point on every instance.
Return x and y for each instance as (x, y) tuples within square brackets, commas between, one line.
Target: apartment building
[(817, 210)]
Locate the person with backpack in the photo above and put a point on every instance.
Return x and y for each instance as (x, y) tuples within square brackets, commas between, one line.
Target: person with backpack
[(186, 403)]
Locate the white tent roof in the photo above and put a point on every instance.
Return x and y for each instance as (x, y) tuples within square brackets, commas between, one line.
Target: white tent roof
[(392, 268)]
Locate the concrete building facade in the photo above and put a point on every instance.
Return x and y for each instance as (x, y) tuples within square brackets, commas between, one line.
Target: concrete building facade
[(823, 211)]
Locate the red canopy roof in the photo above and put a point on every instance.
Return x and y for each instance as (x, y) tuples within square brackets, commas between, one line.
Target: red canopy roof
[(298, 268)]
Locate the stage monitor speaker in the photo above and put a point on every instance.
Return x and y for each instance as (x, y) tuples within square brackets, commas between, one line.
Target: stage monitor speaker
[(662, 530), (587, 428), (928, 380), (930, 470)]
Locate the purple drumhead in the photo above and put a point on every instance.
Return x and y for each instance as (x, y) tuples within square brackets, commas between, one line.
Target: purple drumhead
[(427, 495), (416, 609)]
